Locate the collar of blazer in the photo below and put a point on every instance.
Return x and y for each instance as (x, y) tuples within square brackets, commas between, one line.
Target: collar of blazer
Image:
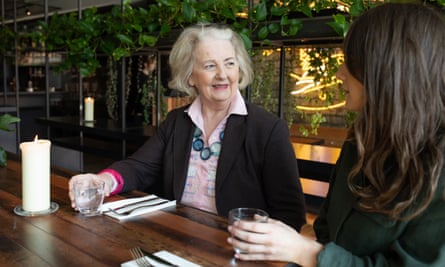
[(234, 136)]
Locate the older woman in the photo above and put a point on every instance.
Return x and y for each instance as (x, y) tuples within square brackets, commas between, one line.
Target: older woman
[(219, 152), (386, 201)]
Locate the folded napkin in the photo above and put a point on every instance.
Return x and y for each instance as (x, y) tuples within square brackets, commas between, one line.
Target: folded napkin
[(131, 203), (166, 256)]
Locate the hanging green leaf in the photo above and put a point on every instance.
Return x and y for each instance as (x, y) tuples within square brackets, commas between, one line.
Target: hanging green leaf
[(188, 11), (261, 11), (247, 41), (306, 10), (278, 11), (273, 27), (147, 40), (6, 120), (295, 26), (340, 25), (357, 8), (263, 32)]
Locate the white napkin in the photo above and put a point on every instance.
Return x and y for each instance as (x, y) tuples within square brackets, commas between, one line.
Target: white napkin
[(154, 199), (166, 256)]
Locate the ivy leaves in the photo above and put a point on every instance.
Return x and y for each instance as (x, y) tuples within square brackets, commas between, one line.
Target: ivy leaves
[(285, 25), (126, 29)]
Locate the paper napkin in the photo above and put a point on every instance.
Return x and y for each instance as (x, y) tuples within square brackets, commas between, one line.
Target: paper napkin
[(166, 256), (138, 202)]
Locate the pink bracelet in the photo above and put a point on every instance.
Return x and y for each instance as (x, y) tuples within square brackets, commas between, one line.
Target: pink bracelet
[(117, 177)]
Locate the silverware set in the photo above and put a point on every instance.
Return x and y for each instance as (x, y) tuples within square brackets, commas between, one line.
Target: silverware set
[(128, 212), (140, 258), (151, 202)]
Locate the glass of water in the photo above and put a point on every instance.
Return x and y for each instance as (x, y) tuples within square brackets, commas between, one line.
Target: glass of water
[(89, 196), (247, 214)]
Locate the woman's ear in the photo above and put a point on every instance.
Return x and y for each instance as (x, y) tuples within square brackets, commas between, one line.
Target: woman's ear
[(191, 82)]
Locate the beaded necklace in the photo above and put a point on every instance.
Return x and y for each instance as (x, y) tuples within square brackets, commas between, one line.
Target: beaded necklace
[(206, 152)]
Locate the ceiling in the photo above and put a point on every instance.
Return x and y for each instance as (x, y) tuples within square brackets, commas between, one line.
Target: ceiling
[(37, 7)]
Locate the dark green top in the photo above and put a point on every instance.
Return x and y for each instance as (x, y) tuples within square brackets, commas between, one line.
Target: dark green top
[(356, 238)]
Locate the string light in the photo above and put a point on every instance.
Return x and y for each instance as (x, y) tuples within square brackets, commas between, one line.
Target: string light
[(305, 84), (334, 106)]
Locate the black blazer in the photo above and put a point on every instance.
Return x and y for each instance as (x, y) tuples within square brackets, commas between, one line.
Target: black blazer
[(256, 167)]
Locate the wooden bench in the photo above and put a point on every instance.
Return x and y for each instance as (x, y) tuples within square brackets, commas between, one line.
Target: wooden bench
[(315, 164)]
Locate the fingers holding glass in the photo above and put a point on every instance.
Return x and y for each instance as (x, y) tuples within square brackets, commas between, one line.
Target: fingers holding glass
[(88, 195), (245, 214)]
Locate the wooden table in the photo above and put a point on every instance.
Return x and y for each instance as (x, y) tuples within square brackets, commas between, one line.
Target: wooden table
[(66, 238)]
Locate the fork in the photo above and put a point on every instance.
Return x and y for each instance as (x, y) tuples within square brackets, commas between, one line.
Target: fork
[(137, 251), (139, 257), (128, 212)]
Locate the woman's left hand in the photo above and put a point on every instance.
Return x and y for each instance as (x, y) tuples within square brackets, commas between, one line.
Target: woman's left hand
[(274, 241)]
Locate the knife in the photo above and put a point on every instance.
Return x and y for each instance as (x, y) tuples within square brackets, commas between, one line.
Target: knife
[(158, 259), (135, 203)]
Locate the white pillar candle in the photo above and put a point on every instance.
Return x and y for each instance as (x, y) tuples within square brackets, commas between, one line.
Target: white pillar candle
[(36, 175), (89, 108)]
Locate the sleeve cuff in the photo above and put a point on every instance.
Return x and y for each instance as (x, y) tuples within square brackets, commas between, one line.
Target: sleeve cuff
[(333, 255), (119, 182)]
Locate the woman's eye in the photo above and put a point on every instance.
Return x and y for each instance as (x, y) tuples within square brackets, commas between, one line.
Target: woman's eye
[(209, 66), (230, 64)]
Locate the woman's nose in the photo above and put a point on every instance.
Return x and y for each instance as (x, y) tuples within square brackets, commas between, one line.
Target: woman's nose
[(340, 72), (221, 73)]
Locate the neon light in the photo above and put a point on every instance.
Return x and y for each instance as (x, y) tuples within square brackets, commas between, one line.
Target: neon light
[(341, 104)]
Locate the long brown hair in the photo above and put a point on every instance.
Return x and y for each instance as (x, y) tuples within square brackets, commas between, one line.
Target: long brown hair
[(398, 52)]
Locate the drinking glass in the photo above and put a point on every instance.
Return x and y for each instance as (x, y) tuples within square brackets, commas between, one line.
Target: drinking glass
[(247, 214), (89, 196)]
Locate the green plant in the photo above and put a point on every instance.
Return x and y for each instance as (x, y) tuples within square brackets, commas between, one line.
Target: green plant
[(126, 29), (111, 97), (266, 80), (5, 121), (7, 38)]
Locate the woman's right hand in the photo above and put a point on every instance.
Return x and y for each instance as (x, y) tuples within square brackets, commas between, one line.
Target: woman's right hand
[(106, 177), (273, 241)]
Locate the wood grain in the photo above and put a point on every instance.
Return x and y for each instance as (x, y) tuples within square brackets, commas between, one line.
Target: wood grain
[(66, 238)]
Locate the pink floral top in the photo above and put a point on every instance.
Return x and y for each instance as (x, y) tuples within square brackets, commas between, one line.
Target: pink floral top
[(199, 191)]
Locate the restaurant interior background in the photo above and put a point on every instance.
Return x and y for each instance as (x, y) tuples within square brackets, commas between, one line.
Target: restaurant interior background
[(294, 78)]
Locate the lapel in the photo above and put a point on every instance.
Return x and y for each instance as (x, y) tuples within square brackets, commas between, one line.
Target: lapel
[(234, 136), (339, 215), (342, 199), (182, 143)]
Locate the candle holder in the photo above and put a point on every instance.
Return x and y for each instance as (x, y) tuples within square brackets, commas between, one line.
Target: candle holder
[(89, 123), (20, 211)]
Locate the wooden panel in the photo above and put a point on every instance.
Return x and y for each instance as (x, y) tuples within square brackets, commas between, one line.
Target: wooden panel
[(316, 153), (315, 165), (315, 188)]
